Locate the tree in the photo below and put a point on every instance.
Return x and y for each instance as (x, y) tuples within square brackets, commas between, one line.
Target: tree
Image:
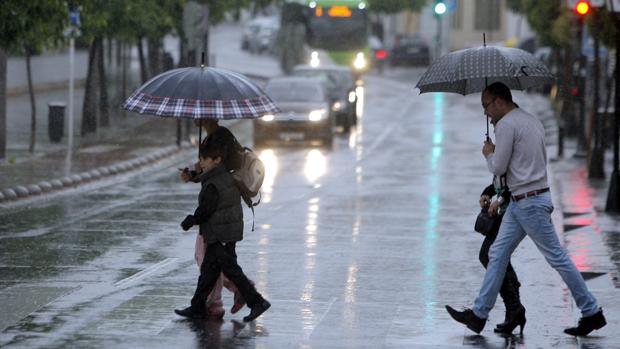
[(25, 28), (94, 17), (395, 6)]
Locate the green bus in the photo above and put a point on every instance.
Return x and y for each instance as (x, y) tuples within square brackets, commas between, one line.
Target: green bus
[(341, 28)]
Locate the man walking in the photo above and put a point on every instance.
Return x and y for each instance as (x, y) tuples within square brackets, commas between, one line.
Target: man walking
[(520, 153)]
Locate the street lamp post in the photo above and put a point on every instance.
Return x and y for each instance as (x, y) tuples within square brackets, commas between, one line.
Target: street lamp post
[(72, 32), (439, 9)]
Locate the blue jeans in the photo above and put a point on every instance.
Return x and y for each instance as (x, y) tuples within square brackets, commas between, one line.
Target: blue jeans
[(530, 216)]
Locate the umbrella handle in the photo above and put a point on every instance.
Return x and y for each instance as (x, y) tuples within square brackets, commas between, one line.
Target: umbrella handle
[(199, 136), (487, 134)]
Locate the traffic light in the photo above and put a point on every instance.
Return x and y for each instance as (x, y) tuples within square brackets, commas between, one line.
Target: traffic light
[(440, 8), (582, 8)]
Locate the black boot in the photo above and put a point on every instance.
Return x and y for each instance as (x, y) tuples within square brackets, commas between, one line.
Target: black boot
[(468, 318), (515, 312), (588, 324), (257, 310), (514, 318)]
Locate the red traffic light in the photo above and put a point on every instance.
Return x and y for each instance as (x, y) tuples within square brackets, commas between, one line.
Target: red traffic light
[(582, 8)]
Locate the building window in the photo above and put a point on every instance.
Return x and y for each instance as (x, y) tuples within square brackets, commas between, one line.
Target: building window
[(487, 16)]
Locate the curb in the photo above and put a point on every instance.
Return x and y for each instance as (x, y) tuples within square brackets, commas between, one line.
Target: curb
[(71, 181), (18, 192)]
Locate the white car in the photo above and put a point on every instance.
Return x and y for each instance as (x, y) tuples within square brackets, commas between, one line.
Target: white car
[(260, 35)]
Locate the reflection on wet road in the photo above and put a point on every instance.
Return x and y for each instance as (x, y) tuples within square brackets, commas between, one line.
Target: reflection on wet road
[(359, 246)]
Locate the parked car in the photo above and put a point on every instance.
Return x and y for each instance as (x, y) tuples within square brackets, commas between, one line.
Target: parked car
[(409, 50), (260, 35), (340, 84), (305, 112)]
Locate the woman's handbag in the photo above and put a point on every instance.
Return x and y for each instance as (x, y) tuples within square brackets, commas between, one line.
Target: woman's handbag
[(485, 223)]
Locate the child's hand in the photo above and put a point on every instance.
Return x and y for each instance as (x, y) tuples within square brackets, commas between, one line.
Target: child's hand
[(188, 222), (184, 174)]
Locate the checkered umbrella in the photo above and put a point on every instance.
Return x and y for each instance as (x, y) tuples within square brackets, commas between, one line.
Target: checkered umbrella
[(201, 93), (471, 70)]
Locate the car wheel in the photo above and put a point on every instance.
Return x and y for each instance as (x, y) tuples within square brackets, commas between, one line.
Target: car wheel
[(346, 124), (353, 115)]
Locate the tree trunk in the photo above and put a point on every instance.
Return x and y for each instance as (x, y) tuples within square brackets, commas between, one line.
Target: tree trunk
[(109, 47), (104, 107), (126, 50), (568, 113), (154, 56), (144, 76), (89, 111), (2, 104), (33, 106), (119, 45)]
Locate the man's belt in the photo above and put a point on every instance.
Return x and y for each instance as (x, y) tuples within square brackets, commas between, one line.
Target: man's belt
[(529, 193)]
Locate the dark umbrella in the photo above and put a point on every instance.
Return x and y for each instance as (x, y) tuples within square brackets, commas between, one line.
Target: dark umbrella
[(471, 70), (201, 93)]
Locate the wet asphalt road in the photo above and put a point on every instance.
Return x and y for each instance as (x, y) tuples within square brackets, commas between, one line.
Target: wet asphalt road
[(360, 246)]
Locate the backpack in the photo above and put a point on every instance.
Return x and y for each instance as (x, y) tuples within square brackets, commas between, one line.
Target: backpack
[(249, 178)]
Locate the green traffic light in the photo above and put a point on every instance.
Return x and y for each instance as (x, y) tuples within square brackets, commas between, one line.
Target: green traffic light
[(440, 8)]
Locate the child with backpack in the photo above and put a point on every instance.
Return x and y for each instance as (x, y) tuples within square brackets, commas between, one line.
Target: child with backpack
[(220, 217)]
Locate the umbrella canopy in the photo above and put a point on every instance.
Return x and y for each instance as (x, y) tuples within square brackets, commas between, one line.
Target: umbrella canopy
[(471, 70), (201, 93)]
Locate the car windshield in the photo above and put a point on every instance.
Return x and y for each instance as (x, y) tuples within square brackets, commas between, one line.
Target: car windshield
[(334, 80), (294, 92), (410, 41)]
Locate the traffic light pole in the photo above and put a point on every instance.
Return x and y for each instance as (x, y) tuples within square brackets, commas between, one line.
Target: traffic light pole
[(582, 148), (613, 196), (438, 38), (597, 155)]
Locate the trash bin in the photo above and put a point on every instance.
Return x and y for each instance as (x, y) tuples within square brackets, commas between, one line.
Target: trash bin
[(56, 122)]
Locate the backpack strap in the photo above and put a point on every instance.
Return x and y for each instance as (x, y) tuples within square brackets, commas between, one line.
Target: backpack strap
[(252, 204)]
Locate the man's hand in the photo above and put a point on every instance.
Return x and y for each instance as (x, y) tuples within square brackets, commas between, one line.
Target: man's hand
[(188, 222), (494, 208), (488, 148), (484, 200)]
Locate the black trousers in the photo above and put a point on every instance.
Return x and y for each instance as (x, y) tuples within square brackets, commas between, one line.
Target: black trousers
[(509, 290), (222, 258)]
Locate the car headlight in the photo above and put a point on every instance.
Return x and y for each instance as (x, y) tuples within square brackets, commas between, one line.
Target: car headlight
[(268, 117), (360, 61), (338, 106), (316, 115), (352, 96)]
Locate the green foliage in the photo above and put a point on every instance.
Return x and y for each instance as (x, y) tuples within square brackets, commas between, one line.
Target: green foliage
[(561, 30), (395, 6), (34, 24), (541, 16), (552, 21), (605, 27)]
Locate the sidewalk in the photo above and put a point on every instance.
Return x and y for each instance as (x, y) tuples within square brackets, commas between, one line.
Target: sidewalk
[(130, 142)]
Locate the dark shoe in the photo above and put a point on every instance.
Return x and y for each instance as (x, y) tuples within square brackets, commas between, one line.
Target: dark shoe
[(189, 313), (257, 310), (468, 318), (517, 319), (587, 324)]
